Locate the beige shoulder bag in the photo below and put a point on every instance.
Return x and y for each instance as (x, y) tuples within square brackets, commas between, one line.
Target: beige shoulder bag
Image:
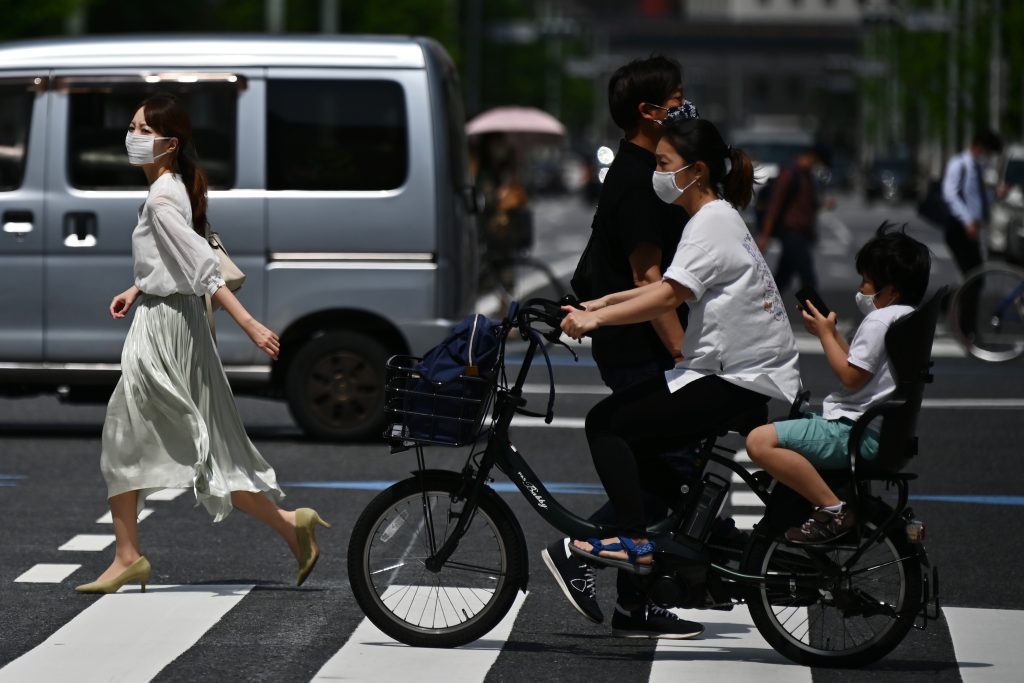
[(233, 276)]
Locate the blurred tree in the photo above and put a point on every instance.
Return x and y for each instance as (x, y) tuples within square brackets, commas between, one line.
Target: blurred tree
[(915, 98), (35, 18), (511, 71)]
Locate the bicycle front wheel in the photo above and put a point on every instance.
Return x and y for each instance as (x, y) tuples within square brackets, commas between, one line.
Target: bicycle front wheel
[(986, 314), (818, 615), (468, 595)]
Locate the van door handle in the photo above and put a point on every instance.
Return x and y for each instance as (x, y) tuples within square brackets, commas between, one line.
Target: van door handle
[(18, 223), (80, 229)]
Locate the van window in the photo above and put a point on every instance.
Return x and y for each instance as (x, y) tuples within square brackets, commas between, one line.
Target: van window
[(99, 118), (15, 117), (336, 135)]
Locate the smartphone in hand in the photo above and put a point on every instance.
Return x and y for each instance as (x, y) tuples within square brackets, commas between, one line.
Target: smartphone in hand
[(808, 294)]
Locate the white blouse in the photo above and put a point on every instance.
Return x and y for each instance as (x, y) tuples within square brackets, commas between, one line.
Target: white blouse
[(169, 256), (738, 328)]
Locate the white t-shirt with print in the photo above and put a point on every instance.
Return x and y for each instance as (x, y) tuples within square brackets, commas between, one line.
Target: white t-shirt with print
[(737, 327), (867, 352)]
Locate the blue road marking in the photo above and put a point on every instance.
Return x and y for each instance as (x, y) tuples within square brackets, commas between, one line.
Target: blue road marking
[(566, 487), (975, 500), (9, 480), (586, 489)]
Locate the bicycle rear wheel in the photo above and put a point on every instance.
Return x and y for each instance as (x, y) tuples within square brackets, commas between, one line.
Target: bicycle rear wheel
[(471, 592), (986, 314), (817, 615)]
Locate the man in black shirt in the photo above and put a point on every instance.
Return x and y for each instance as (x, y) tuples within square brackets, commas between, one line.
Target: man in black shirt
[(634, 239)]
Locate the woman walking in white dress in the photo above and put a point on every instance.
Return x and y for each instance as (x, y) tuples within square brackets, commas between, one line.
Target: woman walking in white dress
[(172, 420)]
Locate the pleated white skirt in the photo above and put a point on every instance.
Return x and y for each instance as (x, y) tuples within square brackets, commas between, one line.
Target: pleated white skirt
[(172, 420)]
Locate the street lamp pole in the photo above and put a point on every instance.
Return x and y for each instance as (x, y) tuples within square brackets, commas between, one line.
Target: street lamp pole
[(995, 68), (952, 77)]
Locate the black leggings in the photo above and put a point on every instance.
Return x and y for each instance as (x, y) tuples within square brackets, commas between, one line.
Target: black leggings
[(648, 411)]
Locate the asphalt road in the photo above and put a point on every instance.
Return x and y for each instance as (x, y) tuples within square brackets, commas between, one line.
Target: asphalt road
[(252, 624)]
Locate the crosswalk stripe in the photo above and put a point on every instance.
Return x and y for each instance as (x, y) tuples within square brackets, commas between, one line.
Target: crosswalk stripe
[(47, 573), (166, 494), (746, 522), (745, 499), (88, 542), (986, 642), (369, 655), (731, 649), (108, 519), (127, 636)]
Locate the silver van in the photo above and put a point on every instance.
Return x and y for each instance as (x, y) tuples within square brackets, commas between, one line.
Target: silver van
[(338, 182)]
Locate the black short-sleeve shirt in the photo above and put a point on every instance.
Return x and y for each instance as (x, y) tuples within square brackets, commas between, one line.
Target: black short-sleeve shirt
[(629, 213)]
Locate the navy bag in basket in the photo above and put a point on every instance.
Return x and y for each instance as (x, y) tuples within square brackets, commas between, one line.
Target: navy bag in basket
[(471, 348), (445, 404)]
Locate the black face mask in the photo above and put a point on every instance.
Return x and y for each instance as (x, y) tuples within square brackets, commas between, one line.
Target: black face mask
[(687, 110)]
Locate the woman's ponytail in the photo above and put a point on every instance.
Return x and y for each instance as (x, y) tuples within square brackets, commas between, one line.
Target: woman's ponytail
[(165, 115), (738, 183), (195, 184)]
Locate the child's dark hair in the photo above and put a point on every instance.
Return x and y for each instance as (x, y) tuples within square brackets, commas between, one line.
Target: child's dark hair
[(893, 257), (698, 140), (651, 80)]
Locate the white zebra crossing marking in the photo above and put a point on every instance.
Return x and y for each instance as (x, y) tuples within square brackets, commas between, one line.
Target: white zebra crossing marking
[(745, 499), (108, 519), (746, 522), (369, 655), (731, 649), (48, 573), (88, 542), (166, 494), (126, 636), (986, 642)]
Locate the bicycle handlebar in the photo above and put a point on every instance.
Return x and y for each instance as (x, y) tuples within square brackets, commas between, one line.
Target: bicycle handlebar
[(546, 311)]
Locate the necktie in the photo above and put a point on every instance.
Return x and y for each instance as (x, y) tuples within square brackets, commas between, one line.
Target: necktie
[(981, 191)]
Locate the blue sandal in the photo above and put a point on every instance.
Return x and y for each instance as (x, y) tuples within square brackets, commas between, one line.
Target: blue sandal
[(633, 552)]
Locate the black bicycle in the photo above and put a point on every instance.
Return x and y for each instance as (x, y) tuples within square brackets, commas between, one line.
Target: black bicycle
[(436, 560), (986, 313)]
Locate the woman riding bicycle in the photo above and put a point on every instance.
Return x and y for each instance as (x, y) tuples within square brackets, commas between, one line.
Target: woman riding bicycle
[(739, 349)]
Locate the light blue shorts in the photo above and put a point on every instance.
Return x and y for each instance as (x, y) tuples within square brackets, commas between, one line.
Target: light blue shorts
[(823, 442)]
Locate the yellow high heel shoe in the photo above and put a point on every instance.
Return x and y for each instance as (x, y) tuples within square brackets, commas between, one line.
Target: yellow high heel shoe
[(138, 571), (306, 520)]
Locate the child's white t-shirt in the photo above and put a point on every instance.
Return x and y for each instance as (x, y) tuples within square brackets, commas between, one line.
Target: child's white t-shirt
[(867, 352), (737, 326)]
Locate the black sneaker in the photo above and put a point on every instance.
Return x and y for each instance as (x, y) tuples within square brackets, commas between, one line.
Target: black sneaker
[(653, 622), (822, 527), (575, 577)]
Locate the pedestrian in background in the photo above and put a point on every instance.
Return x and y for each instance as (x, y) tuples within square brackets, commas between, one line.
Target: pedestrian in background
[(968, 201), (791, 215), (634, 236), (506, 219), (172, 421)]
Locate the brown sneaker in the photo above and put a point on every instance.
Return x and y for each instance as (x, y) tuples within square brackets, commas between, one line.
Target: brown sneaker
[(822, 527)]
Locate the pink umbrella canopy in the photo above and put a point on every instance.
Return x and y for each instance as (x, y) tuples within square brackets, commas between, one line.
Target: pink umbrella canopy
[(517, 120)]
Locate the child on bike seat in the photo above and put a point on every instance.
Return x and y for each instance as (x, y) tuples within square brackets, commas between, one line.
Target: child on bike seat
[(894, 276)]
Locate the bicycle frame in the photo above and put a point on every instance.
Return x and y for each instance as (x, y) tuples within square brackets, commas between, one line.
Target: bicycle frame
[(500, 452)]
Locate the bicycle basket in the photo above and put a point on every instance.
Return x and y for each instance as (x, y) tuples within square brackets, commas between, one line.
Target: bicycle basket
[(424, 412)]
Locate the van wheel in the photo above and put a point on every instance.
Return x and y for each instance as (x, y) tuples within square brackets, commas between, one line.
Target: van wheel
[(335, 386)]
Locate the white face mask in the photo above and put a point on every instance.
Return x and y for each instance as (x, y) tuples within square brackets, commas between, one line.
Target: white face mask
[(140, 149), (665, 185), (866, 302)]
